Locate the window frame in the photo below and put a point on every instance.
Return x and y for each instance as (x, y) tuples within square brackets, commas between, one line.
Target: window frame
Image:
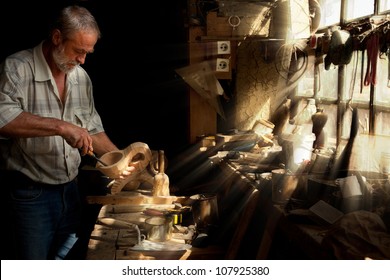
[(341, 101)]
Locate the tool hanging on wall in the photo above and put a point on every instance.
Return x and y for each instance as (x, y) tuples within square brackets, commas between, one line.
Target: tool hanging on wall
[(161, 180), (291, 61)]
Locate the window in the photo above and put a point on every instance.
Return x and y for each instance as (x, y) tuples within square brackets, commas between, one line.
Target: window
[(358, 8), (340, 88), (330, 15), (384, 5)]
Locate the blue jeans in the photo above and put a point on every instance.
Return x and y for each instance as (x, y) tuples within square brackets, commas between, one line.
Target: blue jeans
[(43, 218)]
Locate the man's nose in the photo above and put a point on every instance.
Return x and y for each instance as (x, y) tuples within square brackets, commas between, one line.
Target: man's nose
[(81, 58)]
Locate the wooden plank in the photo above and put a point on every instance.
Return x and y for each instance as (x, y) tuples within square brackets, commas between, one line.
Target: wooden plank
[(202, 116), (101, 245), (197, 48), (223, 138), (208, 253), (117, 209), (127, 254), (218, 26), (132, 199)]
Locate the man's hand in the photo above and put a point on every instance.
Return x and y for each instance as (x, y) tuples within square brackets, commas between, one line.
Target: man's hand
[(78, 137), (29, 125)]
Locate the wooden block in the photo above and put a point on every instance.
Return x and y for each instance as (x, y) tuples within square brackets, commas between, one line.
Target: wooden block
[(223, 138)]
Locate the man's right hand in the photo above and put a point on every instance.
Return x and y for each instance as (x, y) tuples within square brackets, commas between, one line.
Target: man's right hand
[(27, 125), (78, 137)]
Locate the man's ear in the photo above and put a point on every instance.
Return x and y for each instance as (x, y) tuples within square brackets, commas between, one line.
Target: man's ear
[(56, 37)]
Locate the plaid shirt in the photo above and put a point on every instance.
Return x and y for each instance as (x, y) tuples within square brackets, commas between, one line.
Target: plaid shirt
[(26, 84)]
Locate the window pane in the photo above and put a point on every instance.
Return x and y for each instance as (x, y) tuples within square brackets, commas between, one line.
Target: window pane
[(354, 80), (367, 151), (306, 83), (363, 116), (382, 88), (327, 83), (331, 124), (330, 12), (382, 124), (384, 5), (359, 8), (355, 90)]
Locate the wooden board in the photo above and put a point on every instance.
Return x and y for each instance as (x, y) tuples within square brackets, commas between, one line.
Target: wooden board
[(131, 199), (223, 138), (202, 116), (102, 244)]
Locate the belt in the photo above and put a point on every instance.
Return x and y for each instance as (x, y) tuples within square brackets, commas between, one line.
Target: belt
[(52, 186), (22, 180)]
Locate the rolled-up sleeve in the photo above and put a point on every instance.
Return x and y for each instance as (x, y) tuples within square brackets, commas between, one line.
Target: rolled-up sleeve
[(10, 100)]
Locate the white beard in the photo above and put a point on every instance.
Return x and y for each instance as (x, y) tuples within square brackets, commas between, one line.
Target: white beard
[(62, 61)]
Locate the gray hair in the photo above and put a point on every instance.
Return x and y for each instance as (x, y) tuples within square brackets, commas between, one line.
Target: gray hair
[(75, 18)]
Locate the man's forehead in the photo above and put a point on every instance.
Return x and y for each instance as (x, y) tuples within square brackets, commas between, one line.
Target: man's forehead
[(84, 40)]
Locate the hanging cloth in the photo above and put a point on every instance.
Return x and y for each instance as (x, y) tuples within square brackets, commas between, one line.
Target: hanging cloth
[(372, 58)]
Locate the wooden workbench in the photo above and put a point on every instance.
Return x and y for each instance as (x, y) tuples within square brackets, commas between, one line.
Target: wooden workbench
[(256, 228), (117, 242)]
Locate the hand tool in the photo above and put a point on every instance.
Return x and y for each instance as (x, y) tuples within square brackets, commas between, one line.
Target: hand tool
[(90, 153)]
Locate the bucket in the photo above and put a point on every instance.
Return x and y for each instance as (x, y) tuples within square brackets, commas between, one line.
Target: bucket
[(205, 211), (159, 228)]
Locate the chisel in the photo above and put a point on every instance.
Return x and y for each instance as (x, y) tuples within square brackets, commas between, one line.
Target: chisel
[(90, 153)]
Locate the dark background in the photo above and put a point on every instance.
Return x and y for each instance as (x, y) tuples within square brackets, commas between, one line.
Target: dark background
[(137, 91)]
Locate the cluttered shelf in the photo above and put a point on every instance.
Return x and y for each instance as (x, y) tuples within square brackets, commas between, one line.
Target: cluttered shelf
[(314, 202), (306, 217)]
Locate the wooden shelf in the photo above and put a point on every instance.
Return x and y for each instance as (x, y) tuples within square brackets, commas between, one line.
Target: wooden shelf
[(239, 38)]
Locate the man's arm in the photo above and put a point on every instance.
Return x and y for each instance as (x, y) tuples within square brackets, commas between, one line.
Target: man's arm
[(102, 144), (29, 125)]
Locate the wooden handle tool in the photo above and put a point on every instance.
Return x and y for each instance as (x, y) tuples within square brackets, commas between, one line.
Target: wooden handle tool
[(90, 153), (161, 180)]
